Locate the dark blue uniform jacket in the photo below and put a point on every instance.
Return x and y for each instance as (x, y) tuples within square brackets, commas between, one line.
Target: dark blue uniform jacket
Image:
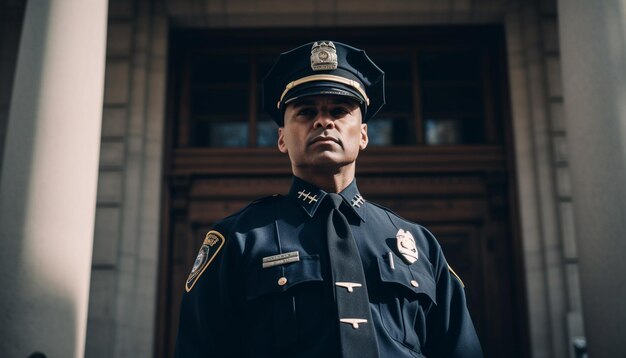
[(236, 308)]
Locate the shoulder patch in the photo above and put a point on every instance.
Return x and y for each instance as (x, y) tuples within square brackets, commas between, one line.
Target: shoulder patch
[(455, 275), (213, 242)]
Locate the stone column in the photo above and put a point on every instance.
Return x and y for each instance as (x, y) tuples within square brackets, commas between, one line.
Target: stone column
[(593, 49), (48, 178)]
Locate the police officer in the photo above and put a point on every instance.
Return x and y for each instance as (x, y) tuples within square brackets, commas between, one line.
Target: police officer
[(321, 271)]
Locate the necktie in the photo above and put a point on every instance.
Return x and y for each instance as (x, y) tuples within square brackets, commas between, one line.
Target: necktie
[(356, 329)]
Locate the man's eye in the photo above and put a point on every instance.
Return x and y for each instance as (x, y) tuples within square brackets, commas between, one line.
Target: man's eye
[(307, 112), (339, 112)]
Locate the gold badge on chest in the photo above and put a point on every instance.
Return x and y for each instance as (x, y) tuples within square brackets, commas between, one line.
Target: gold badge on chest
[(406, 246)]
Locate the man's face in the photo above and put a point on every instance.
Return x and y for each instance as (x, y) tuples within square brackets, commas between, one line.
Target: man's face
[(322, 132)]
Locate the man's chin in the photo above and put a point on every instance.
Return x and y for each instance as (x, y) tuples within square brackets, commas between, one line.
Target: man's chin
[(326, 162), (327, 158)]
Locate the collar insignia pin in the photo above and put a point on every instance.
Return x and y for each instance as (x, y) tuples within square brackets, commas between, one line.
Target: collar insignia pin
[(304, 196), (406, 246), (357, 201), (323, 56)]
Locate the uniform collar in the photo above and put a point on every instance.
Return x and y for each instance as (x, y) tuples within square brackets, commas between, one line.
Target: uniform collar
[(310, 197)]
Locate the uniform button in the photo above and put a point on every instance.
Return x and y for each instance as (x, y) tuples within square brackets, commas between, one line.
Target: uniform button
[(414, 283), (282, 281)]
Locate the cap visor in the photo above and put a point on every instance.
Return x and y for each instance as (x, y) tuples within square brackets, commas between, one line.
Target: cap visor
[(323, 88)]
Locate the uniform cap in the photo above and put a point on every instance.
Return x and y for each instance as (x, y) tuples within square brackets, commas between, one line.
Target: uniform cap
[(324, 68)]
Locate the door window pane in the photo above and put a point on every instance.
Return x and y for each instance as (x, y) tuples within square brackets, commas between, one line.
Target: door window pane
[(220, 134), (267, 133), (219, 98), (394, 124), (380, 131), (434, 96), (452, 99)]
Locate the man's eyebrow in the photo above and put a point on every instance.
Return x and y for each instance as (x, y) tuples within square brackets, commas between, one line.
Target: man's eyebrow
[(346, 101), (303, 102)]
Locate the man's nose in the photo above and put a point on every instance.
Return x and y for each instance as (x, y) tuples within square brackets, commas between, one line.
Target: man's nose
[(324, 120)]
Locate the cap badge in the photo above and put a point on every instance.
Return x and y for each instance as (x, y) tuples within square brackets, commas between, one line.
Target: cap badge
[(323, 56), (406, 246)]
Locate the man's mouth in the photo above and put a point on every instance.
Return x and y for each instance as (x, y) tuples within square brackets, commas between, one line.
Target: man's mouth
[(324, 139)]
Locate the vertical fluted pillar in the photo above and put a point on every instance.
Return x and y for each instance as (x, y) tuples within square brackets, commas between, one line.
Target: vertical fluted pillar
[(49, 177), (593, 52)]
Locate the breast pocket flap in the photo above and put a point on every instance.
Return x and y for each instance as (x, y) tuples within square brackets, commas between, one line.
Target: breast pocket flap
[(263, 281), (413, 279)]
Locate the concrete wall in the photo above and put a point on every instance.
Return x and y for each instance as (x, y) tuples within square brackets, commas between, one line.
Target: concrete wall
[(125, 256), (283, 13), (544, 188), (593, 44)]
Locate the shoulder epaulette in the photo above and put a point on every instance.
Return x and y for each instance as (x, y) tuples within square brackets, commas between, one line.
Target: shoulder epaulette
[(264, 199), (393, 213)]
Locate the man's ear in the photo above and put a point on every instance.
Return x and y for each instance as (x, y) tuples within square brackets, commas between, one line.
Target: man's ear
[(281, 140), (364, 138)]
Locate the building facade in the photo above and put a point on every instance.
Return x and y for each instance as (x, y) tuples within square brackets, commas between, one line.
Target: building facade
[(500, 197)]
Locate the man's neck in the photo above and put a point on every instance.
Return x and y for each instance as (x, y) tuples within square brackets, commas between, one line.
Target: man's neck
[(331, 181)]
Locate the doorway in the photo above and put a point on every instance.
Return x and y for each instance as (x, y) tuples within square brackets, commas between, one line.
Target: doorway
[(439, 154)]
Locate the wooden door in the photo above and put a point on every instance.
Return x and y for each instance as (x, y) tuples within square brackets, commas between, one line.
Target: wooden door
[(438, 155)]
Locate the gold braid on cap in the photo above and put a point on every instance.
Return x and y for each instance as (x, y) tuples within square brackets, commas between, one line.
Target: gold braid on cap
[(332, 78)]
